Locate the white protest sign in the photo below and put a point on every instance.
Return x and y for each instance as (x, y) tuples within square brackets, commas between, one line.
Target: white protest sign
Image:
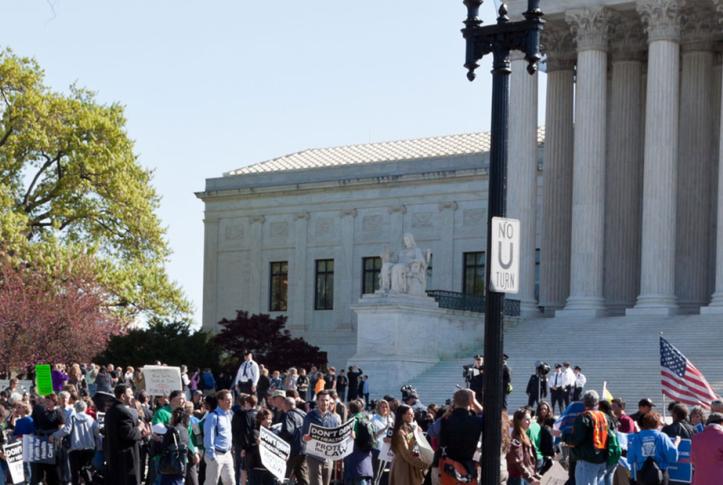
[(274, 453), (161, 380), (14, 460), (385, 452), (37, 449), (505, 255), (556, 475), (330, 443), (100, 419)]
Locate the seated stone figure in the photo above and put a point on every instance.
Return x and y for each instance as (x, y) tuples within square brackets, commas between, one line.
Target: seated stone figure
[(405, 272)]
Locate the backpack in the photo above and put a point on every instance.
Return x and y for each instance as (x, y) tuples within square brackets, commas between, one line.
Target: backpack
[(364, 438), (650, 473), (615, 451), (173, 455)]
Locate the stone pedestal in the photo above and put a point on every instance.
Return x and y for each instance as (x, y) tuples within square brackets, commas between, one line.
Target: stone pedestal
[(396, 337)]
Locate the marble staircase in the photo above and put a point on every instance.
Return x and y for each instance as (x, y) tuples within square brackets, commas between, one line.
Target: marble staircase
[(624, 351)]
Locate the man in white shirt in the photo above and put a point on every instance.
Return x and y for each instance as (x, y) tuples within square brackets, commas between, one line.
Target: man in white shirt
[(580, 381), (556, 383), (248, 375), (568, 382)]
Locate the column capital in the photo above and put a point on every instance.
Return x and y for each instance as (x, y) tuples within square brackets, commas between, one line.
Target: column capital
[(559, 46), (627, 39), (448, 206), (661, 19), (698, 26), (590, 27)]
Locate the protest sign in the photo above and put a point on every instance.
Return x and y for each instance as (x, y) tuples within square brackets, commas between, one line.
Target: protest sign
[(682, 470), (385, 452), (14, 460), (556, 475), (330, 443), (161, 380), (274, 453), (43, 380), (100, 419), (37, 449)]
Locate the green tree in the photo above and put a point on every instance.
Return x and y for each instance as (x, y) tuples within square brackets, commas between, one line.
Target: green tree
[(71, 185), (172, 343)]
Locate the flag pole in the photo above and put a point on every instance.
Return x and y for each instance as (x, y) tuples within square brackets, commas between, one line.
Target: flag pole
[(665, 405)]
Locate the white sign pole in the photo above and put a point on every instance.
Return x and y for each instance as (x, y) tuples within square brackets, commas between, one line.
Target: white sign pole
[(505, 257)]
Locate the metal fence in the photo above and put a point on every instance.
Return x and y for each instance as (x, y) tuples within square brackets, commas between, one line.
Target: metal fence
[(455, 300)]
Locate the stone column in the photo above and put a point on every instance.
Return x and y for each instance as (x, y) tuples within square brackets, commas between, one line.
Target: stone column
[(715, 154), (661, 19), (344, 271), (298, 275), (557, 169), (443, 259), (522, 175), (624, 174), (256, 269), (210, 274), (590, 27), (694, 159)]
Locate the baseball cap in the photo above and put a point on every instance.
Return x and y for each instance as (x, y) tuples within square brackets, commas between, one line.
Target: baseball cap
[(646, 402)]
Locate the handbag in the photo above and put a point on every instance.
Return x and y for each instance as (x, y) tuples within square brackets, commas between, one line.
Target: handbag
[(174, 456)]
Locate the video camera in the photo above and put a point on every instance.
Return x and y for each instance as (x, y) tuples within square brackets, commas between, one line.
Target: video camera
[(542, 368), (407, 391), (469, 371)]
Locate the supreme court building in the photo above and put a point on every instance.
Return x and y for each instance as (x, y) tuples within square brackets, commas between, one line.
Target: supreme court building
[(620, 196)]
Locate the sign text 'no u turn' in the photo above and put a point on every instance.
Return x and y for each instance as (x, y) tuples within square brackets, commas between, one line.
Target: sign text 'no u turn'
[(505, 257)]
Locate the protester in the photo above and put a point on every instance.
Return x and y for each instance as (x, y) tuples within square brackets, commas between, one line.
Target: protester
[(698, 417), (83, 434), (521, 459), (382, 421), (217, 441), (123, 433), (651, 443), (680, 425), (341, 383), (292, 423), (625, 424), (407, 467), (589, 440), (290, 380), (353, 376), (707, 452), (545, 442), (258, 474), (458, 436), (645, 405), (302, 383), (177, 446), (321, 415), (358, 469), (207, 382), (48, 420)]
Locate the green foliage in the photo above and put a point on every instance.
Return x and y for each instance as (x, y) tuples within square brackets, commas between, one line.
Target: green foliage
[(172, 343), (71, 185), (271, 344)]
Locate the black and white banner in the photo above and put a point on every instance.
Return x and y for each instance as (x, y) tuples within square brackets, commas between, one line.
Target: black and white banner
[(331, 443), (37, 449), (274, 453), (100, 419), (14, 459)]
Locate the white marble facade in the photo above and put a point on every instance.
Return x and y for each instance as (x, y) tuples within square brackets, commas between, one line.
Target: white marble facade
[(341, 213)]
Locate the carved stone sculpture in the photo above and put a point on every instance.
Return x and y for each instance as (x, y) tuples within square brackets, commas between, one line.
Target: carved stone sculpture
[(406, 271)]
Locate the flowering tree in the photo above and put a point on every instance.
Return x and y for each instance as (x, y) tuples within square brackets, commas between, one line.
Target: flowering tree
[(48, 318)]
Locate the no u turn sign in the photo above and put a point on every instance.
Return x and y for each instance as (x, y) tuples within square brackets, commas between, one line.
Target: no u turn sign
[(505, 256)]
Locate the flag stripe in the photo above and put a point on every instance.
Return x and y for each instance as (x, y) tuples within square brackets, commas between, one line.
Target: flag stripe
[(675, 388), (684, 401), (686, 385)]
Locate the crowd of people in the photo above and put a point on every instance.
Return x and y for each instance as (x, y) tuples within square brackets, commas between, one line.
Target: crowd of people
[(105, 429)]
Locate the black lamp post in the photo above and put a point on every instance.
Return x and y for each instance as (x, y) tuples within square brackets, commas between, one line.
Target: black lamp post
[(498, 39)]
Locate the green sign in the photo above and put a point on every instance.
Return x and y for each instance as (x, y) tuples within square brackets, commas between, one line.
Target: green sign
[(43, 380)]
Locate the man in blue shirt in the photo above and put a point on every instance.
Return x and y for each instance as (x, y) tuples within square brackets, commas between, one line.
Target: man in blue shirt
[(321, 415), (217, 441)]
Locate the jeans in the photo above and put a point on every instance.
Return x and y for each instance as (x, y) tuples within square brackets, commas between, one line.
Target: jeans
[(609, 474), (172, 479), (357, 481), (587, 473)]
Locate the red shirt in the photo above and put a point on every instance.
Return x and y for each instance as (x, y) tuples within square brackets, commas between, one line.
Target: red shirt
[(626, 424)]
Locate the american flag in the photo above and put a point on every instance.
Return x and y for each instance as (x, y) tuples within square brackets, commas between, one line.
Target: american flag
[(680, 379)]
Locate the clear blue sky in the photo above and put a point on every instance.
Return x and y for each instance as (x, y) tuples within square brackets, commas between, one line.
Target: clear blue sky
[(215, 85)]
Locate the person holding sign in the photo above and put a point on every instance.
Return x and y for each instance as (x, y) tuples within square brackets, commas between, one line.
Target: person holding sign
[(258, 474), (407, 467), (321, 415)]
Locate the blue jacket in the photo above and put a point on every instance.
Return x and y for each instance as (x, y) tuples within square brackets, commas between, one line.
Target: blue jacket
[(651, 442)]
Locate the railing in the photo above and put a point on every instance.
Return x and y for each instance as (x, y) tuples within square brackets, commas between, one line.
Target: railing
[(455, 300)]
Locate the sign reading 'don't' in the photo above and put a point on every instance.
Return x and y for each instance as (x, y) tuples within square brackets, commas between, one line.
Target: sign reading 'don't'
[(505, 256)]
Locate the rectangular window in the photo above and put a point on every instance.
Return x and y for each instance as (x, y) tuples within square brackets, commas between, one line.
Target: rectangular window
[(324, 289), (371, 267), (473, 282), (279, 286)]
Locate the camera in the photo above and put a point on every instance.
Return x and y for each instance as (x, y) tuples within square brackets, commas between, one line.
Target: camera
[(542, 368), (407, 391)]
